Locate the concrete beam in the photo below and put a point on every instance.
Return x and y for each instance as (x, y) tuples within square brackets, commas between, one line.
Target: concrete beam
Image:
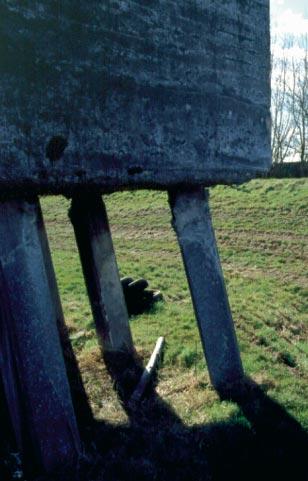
[(194, 230), (89, 218), (31, 361)]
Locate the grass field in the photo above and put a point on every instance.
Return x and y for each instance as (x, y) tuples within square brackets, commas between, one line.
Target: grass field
[(261, 230)]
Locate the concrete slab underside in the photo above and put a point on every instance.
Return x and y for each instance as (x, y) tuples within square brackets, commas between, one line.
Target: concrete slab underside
[(132, 94)]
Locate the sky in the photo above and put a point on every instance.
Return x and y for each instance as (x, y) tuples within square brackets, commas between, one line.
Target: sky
[(289, 17)]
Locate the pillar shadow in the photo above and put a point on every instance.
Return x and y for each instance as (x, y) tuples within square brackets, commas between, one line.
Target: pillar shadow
[(157, 445), (8, 449)]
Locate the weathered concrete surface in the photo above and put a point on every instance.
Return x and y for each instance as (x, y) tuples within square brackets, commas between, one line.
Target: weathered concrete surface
[(89, 218), (193, 226), (31, 361), (79, 396), (127, 93)]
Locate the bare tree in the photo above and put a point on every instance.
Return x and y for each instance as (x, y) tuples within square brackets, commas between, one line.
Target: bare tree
[(298, 102), (290, 100), (282, 118)]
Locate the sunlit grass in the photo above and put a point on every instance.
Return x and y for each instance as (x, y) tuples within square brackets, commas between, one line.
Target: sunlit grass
[(261, 230)]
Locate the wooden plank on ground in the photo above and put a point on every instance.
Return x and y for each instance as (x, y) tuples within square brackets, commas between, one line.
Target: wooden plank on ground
[(148, 372)]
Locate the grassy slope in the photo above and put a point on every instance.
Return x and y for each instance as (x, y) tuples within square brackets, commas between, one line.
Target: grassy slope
[(260, 229)]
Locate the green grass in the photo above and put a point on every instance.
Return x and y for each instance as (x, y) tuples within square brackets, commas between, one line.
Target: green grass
[(261, 230)]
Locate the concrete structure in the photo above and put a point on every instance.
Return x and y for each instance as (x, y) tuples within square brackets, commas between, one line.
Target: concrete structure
[(102, 96), (133, 94)]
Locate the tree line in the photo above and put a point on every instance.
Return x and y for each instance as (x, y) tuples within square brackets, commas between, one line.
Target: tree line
[(290, 99)]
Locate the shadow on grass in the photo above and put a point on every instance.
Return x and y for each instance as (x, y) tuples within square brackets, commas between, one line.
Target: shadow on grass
[(156, 444)]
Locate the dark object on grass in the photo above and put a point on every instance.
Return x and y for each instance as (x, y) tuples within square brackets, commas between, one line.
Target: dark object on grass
[(138, 297), (287, 359)]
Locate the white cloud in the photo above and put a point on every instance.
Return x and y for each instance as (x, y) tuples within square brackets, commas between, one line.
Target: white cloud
[(294, 52), (274, 3), (289, 22), (290, 25), (276, 6)]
